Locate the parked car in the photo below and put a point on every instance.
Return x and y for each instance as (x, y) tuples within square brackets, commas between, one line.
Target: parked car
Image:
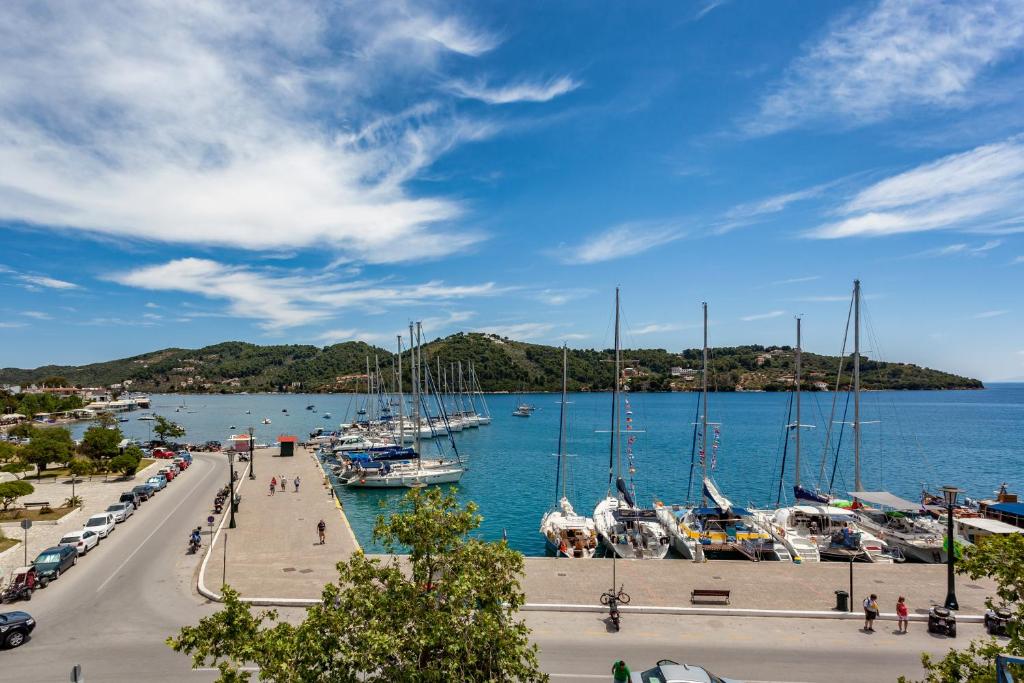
[(102, 524), (182, 463), (121, 511), (158, 481), (82, 540), (168, 474), (163, 453), (53, 562), (667, 670), (15, 627), (131, 497), (144, 491)]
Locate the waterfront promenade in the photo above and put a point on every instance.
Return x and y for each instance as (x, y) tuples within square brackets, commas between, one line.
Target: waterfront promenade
[(273, 554)]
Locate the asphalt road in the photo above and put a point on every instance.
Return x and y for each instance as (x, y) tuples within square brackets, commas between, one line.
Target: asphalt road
[(112, 613)]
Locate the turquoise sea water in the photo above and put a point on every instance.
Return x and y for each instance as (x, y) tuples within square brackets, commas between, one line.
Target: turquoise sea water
[(972, 439)]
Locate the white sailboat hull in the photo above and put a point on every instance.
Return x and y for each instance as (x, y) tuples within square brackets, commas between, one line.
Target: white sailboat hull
[(412, 478), (567, 534), (644, 540)]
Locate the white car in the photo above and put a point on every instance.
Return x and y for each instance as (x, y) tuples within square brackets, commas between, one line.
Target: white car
[(121, 511), (102, 524), (83, 541)]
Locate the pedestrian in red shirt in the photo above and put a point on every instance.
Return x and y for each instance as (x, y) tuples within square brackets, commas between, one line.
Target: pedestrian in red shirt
[(901, 615)]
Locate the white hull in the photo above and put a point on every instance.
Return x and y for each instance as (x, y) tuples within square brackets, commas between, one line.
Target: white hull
[(644, 540), (407, 478), (568, 534)]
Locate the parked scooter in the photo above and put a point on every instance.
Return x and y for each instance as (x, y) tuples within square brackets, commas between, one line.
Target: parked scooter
[(23, 583)]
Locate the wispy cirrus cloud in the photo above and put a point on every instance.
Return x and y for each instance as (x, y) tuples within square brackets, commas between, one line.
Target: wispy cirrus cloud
[(520, 331), (6, 325), (34, 281), (37, 315), (521, 91), (762, 316), (560, 297), (620, 241), (753, 212), (290, 298), (961, 248), (972, 191), (989, 314), (899, 54), (202, 124), (654, 328), (795, 280)]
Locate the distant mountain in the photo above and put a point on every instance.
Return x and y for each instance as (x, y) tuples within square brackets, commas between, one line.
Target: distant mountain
[(501, 364)]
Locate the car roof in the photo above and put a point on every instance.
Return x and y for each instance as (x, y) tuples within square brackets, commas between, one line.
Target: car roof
[(55, 549), (101, 515), (683, 673)]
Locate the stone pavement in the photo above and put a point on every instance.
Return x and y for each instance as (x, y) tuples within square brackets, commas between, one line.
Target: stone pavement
[(97, 495), (754, 585), (274, 550)]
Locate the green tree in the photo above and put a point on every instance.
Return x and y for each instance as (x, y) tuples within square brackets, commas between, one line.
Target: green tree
[(48, 445), (8, 451), (11, 491), (106, 419), (1000, 558), (55, 381), (16, 468), (447, 614), (126, 463), (79, 467), (22, 430), (100, 443), (166, 429)]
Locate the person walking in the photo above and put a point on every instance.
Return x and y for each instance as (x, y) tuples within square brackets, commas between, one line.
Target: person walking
[(870, 612), (296, 484), (284, 484), (902, 615), (620, 672), (321, 529), (273, 485)]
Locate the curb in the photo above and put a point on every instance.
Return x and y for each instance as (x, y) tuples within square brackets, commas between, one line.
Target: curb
[(44, 522), (16, 546), (201, 582), (736, 612), (337, 503)]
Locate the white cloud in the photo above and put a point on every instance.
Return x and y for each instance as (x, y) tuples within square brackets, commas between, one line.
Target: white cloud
[(653, 328), (38, 315), (31, 281), (762, 316), (900, 54), (573, 336), (560, 297), (203, 123), (989, 314), (519, 331), (745, 214), (11, 326), (1018, 260), (796, 280), (959, 248), (150, 304), (620, 241), (969, 191), (293, 298), (515, 92)]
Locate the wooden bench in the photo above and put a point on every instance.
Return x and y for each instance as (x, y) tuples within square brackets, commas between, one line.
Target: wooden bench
[(37, 505), (705, 594)]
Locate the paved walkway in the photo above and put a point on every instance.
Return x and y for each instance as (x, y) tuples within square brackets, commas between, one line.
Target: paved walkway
[(274, 550)]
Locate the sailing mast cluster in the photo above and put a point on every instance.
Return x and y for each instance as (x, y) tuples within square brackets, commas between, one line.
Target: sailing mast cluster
[(404, 439), (871, 526)]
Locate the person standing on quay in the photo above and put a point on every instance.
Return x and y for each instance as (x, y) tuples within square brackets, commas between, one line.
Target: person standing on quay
[(273, 485), (870, 612), (321, 529), (620, 672), (902, 615), (296, 484), (284, 484)]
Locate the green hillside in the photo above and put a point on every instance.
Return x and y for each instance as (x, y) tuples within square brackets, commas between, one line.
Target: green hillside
[(501, 365)]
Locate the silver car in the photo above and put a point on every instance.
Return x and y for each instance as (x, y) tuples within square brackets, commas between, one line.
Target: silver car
[(668, 671)]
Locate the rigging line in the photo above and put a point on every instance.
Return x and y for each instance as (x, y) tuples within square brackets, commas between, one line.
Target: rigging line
[(785, 449), (839, 444), (693, 450), (835, 396)]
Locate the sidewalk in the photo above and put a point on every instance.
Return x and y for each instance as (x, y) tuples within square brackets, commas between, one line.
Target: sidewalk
[(274, 552)]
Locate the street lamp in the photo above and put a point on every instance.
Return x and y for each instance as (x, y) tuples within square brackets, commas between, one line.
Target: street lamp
[(231, 488), (252, 470), (950, 493)]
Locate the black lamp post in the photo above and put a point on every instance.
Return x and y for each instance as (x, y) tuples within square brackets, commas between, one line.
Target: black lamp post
[(252, 461), (231, 488), (950, 493)]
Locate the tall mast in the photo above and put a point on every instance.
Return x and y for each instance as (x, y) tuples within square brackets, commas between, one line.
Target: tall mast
[(379, 383), (562, 455), (856, 385), (401, 398), (414, 370), (614, 445), (798, 359), (369, 390), (704, 417)]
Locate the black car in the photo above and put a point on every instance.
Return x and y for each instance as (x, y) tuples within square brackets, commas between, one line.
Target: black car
[(15, 627), (54, 561), (131, 497), (144, 492)]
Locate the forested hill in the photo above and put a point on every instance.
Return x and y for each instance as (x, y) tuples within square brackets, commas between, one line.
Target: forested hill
[(501, 365)]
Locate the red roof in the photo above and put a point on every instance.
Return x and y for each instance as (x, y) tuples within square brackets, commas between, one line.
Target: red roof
[(284, 438)]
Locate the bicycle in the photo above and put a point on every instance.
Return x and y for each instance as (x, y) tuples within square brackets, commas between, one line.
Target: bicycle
[(613, 600)]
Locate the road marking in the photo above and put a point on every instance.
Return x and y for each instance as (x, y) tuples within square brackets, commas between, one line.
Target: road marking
[(206, 669), (151, 534)]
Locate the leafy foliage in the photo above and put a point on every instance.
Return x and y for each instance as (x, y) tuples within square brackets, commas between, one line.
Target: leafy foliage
[(447, 616), (100, 443), (11, 491), (166, 429), (51, 444), (501, 364), (1001, 558), (80, 467), (127, 463)]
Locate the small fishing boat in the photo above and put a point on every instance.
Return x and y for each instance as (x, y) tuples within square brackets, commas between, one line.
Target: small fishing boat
[(266, 420), (310, 407), (326, 416)]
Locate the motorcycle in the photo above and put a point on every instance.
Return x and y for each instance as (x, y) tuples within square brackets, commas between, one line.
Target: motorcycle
[(193, 545), (613, 599)]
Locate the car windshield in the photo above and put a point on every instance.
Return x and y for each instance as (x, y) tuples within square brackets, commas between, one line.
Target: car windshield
[(48, 558), (96, 521), (116, 508)]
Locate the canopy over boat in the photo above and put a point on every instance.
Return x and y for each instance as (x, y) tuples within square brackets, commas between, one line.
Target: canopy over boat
[(885, 499)]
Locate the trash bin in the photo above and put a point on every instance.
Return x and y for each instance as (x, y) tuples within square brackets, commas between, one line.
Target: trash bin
[(842, 601)]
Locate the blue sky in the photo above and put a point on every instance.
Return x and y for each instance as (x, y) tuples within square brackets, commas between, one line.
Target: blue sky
[(178, 174)]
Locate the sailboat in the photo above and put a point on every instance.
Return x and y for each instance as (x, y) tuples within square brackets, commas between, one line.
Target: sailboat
[(718, 529), (625, 529), (813, 529), (566, 533)]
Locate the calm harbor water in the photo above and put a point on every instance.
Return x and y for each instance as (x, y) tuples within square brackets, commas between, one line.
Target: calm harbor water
[(973, 439)]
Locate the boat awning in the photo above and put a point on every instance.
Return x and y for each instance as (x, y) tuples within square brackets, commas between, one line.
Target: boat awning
[(993, 526), (634, 515), (885, 499), (1008, 508)]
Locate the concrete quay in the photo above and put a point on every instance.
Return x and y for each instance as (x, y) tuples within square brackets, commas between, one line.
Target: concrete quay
[(273, 558)]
